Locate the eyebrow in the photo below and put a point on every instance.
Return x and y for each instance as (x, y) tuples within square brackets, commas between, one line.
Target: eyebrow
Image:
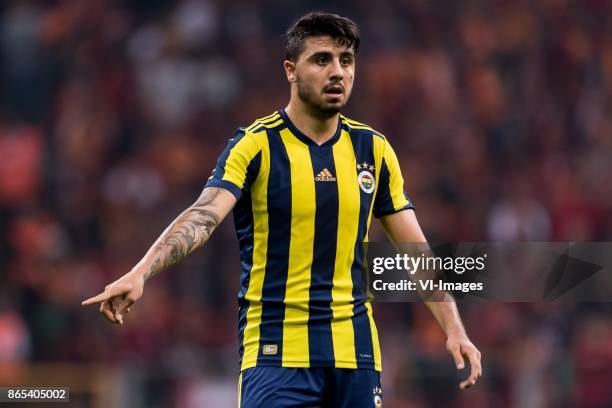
[(346, 53)]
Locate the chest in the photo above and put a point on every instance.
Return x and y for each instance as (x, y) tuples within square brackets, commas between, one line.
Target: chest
[(327, 184)]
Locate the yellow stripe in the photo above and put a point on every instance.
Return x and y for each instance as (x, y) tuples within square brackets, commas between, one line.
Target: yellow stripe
[(359, 127), (239, 158), (303, 202), (379, 148), (239, 388), (263, 120), (354, 125), (375, 343), (259, 200), (271, 125), (343, 336), (354, 122), (396, 181)]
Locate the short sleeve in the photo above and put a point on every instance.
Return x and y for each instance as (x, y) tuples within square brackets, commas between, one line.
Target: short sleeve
[(238, 165), (390, 196)]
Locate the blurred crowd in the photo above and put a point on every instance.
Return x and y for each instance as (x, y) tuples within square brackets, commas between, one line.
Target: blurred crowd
[(112, 114)]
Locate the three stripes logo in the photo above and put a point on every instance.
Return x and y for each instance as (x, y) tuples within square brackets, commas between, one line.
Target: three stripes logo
[(325, 175)]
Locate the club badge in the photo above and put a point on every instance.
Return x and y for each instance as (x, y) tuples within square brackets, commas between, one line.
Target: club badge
[(377, 391), (365, 179)]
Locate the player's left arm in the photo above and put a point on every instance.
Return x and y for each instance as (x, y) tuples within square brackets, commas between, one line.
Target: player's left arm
[(403, 227)]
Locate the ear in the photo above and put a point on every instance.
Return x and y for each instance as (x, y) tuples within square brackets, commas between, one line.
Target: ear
[(290, 70)]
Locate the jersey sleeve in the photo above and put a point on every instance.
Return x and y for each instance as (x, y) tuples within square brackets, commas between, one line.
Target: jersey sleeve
[(238, 165), (390, 196)]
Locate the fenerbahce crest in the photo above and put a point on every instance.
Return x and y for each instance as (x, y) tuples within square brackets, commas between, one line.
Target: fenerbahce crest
[(365, 179), (377, 391)]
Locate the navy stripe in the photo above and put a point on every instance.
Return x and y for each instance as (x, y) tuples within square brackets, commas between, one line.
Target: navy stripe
[(228, 185), (243, 221), (383, 204), (219, 170), (252, 171), (363, 145), (410, 203), (324, 255), (217, 175), (279, 235)]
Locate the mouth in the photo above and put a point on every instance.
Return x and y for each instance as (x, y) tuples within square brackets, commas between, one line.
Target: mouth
[(335, 90)]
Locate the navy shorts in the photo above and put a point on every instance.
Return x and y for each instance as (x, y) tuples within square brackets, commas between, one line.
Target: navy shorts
[(281, 387)]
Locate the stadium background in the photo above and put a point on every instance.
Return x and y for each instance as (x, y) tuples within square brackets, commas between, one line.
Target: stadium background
[(112, 114)]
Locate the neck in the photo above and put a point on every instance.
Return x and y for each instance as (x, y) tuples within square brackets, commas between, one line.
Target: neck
[(319, 128)]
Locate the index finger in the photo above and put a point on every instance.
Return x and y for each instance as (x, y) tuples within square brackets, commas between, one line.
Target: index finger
[(101, 297)]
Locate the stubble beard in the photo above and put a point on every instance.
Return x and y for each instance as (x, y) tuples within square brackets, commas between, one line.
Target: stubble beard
[(309, 98)]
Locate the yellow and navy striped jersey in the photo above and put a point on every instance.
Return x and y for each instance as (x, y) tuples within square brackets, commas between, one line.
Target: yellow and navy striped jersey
[(302, 216)]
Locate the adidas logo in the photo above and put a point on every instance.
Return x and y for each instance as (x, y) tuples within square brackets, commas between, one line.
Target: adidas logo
[(325, 175)]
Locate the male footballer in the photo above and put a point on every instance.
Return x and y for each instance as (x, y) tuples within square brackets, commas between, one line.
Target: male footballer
[(303, 184)]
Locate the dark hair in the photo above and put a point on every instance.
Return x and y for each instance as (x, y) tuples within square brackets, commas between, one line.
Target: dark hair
[(318, 23)]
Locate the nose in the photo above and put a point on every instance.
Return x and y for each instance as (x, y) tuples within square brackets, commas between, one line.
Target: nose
[(336, 70)]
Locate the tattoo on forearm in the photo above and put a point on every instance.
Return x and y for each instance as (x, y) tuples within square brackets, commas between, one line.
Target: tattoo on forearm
[(188, 232)]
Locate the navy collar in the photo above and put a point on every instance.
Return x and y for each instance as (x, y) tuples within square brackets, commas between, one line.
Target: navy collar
[(305, 139)]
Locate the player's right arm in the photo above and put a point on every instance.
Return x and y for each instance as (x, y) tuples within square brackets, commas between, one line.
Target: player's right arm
[(189, 231), (236, 170)]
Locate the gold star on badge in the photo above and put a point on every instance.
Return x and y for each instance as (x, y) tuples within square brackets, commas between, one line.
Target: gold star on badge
[(371, 167), (365, 165), (358, 166)]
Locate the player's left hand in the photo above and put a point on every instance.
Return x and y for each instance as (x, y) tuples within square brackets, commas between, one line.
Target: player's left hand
[(461, 348)]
